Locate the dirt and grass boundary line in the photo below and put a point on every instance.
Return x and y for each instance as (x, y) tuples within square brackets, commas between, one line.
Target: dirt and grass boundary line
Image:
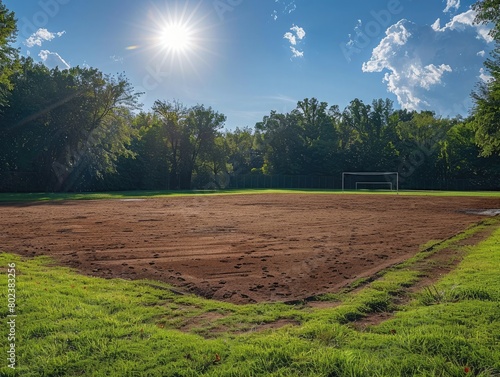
[(41, 197)]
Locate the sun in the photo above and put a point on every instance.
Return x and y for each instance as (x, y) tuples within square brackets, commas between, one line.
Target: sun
[(177, 38)]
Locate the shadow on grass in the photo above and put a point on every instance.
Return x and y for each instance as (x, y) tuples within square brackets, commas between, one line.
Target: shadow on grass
[(40, 198)]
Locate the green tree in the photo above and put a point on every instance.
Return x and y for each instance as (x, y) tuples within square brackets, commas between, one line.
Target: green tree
[(70, 127), (488, 12), (202, 126), (146, 167), (486, 119), (319, 136), (172, 116), (8, 54), (366, 135), (212, 167), (244, 153), (282, 143), (189, 133), (420, 143), (152, 152)]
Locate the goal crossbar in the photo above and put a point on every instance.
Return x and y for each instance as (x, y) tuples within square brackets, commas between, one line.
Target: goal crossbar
[(396, 174)]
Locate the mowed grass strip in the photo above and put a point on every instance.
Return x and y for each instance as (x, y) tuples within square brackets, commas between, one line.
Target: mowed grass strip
[(71, 325), (42, 197)]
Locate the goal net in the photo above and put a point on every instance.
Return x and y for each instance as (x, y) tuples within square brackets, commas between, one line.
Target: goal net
[(388, 181)]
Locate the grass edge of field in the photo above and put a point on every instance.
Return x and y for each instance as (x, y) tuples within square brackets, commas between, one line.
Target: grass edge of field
[(121, 195), (54, 336)]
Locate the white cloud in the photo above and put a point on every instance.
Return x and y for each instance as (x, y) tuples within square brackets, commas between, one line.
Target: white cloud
[(436, 25), (451, 4), (396, 35), (484, 76), (296, 53), (116, 58), (431, 67), (53, 59), (462, 19), (295, 36), (465, 21), (41, 35), (286, 7), (291, 38), (299, 31), (281, 98), (428, 76)]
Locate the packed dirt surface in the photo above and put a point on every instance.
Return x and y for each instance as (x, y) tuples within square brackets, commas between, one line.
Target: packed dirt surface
[(238, 248)]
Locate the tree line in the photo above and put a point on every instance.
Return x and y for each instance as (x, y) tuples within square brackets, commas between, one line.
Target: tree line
[(82, 130)]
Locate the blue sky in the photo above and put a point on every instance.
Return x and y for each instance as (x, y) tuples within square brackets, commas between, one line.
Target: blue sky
[(248, 57)]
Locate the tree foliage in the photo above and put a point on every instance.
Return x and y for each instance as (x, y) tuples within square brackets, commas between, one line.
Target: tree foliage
[(487, 96), (80, 129), (8, 55), (68, 127), (190, 133)]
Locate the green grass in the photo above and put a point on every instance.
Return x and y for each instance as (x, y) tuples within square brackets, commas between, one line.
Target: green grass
[(72, 325), (34, 197)]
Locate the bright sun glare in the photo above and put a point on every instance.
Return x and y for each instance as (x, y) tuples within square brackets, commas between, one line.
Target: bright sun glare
[(177, 37)]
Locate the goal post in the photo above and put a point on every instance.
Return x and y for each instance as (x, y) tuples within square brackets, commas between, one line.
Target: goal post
[(372, 180)]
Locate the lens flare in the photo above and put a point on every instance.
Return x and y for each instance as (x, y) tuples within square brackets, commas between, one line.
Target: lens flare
[(176, 37), (177, 40)]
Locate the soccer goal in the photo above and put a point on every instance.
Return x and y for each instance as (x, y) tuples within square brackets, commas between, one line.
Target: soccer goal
[(388, 181)]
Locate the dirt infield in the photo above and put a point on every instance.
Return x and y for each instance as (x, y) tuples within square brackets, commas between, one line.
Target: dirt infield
[(238, 248)]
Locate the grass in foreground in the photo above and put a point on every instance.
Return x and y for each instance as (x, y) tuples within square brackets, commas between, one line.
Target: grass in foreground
[(40, 197), (71, 325)]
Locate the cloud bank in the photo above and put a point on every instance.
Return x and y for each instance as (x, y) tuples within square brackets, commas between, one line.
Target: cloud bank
[(432, 67)]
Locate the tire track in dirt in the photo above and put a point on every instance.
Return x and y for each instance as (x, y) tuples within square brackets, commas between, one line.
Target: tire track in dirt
[(431, 269)]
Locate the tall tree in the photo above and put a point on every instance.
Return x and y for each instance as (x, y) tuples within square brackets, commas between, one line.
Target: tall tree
[(212, 168), (243, 151), (356, 132), (152, 153), (487, 97), (69, 127), (282, 143), (172, 115), (189, 132), (486, 117), (318, 125), (313, 118), (8, 55), (420, 144), (202, 126)]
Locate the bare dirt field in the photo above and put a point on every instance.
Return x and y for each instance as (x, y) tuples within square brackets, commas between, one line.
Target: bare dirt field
[(238, 248)]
